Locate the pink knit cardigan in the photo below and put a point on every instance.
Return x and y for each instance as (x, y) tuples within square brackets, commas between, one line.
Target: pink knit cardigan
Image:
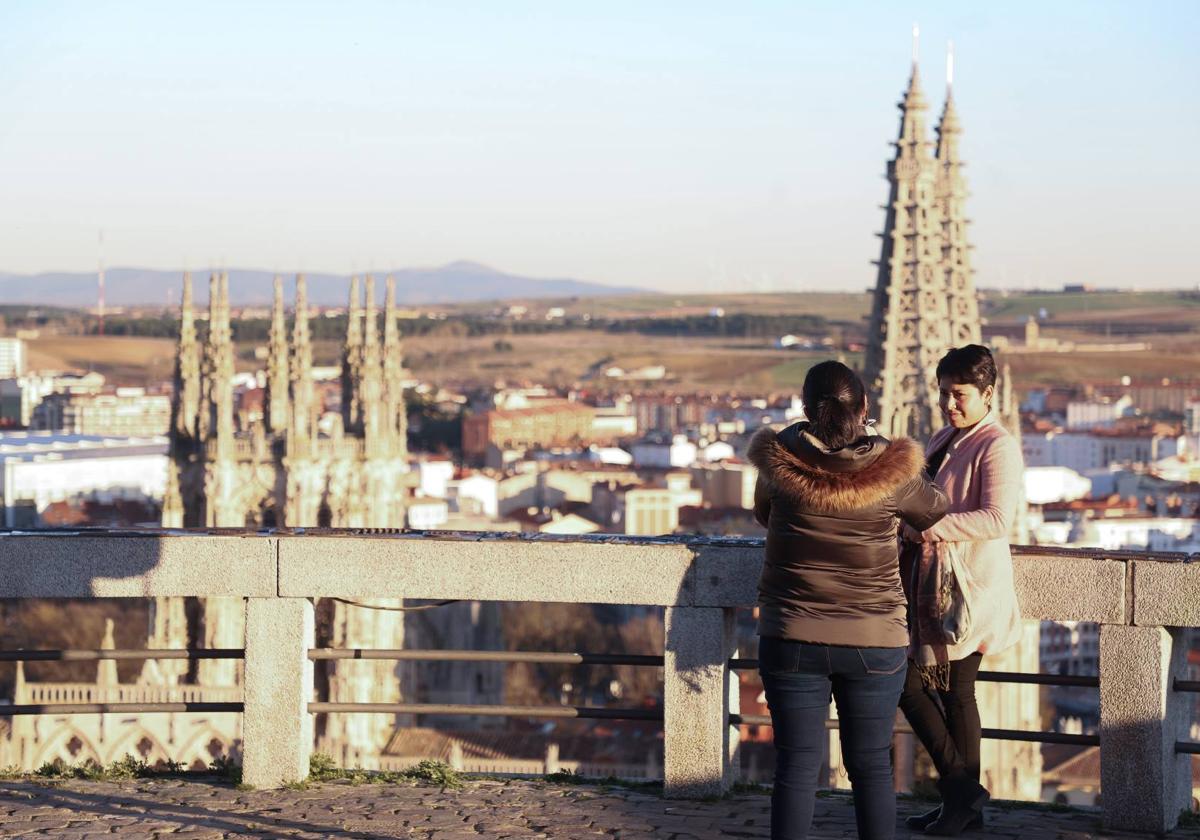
[(982, 476)]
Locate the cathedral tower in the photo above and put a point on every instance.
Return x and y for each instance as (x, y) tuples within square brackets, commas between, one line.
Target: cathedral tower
[(951, 195), (910, 311)]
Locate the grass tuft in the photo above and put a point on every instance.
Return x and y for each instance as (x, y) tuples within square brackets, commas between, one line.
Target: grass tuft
[(227, 769), (322, 769)]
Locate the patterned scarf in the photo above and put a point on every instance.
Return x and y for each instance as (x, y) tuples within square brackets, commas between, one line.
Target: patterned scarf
[(929, 587)]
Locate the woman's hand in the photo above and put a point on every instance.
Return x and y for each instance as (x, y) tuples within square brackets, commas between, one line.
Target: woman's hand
[(911, 534)]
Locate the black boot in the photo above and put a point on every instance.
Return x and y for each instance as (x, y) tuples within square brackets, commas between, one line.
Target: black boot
[(963, 799), (927, 819)]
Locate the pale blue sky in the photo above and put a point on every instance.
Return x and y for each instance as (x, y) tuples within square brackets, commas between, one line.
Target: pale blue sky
[(682, 146)]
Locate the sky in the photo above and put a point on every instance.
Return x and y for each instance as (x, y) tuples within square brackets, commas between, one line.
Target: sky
[(679, 146)]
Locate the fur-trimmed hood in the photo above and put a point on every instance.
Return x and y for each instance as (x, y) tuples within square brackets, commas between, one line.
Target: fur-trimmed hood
[(867, 471)]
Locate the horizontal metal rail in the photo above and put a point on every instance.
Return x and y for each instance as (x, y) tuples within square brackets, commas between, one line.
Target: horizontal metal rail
[(114, 708), (592, 712), (1187, 747), (1042, 737), (536, 657), (993, 734), (1187, 685), (92, 655), (532, 657), (1016, 677)]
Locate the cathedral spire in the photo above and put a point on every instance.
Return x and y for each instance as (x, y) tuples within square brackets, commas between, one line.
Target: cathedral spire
[(276, 402), (303, 406), (185, 401), (370, 381), (352, 361), (223, 388), (393, 371), (909, 314), (371, 317), (951, 196), (205, 424)]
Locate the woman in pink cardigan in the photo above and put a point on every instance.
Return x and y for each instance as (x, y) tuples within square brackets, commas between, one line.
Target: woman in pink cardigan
[(979, 466)]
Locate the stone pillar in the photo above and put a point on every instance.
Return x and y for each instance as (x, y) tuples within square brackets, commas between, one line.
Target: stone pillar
[(1144, 783), (277, 729), (698, 741)]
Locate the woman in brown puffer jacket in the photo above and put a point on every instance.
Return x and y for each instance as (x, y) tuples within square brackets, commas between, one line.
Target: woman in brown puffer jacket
[(831, 495)]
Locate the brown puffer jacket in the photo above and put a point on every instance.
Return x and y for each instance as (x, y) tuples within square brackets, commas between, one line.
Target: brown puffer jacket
[(832, 574)]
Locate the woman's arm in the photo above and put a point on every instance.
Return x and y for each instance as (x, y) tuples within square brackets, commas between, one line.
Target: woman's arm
[(920, 503), (1001, 470), (762, 502)]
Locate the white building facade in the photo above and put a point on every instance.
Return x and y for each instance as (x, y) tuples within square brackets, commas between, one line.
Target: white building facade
[(37, 470)]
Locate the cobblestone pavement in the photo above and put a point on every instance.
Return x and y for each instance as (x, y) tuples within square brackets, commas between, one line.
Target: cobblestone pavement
[(492, 809)]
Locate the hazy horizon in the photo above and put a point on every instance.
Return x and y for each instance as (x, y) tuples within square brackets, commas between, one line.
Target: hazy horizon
[(681, 147)]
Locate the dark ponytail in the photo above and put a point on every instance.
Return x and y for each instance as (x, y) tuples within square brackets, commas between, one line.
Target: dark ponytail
[(833, 402)]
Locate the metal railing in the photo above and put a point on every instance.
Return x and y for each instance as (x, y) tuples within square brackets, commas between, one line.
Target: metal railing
[(488, 710)]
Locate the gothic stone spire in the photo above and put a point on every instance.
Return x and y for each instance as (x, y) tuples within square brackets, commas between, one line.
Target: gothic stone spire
[(223, 370), (909, 315), (185, 401), (951, 195), (352, 361), (393, 371), (303, 404), (276, 402), (370, 375)]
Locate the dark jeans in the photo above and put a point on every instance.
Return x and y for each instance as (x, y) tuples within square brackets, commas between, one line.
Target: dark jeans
[(947, 722), (799, 679)]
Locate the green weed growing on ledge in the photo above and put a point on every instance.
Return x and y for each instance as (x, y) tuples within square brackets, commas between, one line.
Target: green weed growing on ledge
[(227, 769), (92, 770), (321, 769)]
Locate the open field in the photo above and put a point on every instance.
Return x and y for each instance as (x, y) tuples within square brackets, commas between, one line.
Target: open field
[(835, 306), (998, 307), (123, 361), (1092, 305), (565, 357)]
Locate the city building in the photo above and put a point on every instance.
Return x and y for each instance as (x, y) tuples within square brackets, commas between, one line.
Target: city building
[(548, 424), (427, 514), (665, 453), (12, 358), (1091, 414), (726, 485), (613, 423), (125, 411), (21, 395), (1098, 448), (39, 469), (643, 510)]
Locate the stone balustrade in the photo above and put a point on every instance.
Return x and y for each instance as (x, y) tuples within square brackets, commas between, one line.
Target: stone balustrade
[(1139, 600)]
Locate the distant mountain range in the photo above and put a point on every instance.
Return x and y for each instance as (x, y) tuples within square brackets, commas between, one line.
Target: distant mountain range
[(458, 282)]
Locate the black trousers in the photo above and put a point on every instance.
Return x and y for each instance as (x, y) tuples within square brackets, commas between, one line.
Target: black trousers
[(946, 722)]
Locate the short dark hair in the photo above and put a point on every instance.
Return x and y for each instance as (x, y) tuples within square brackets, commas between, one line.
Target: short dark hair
[(833, 398), (969, 365)]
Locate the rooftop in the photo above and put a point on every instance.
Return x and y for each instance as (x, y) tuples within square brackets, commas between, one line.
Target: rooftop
[(31, 446)]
